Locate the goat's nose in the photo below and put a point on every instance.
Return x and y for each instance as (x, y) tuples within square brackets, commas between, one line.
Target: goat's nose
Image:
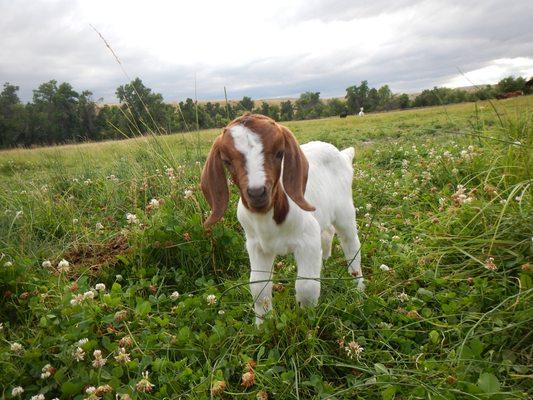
[(256, 193)]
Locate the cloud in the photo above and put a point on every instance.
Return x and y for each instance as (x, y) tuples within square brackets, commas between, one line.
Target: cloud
[(262, 49)]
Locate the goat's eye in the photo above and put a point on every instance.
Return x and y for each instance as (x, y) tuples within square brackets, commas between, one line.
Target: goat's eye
[(226, 162), (279, 155)]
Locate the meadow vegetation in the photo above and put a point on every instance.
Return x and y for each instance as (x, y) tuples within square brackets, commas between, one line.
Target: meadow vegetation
[(110, 286)]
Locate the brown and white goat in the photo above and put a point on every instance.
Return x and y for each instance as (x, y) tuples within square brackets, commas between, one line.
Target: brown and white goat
[(293, 200)]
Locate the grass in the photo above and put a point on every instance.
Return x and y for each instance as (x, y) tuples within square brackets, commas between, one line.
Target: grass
[(444, 199)]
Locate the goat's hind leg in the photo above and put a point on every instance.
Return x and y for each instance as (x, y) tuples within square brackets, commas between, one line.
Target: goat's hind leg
[(327, 240), (346, 228)]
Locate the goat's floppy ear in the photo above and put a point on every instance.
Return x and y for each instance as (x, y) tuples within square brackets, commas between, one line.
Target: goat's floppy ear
[(295, 170), (214, 184)]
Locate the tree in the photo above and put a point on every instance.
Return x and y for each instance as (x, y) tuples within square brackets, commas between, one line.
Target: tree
[(246, 103), (87, 114), (404, 101), (510, 84), (54, 114), (335, 107), (385, 98), (12, 116), (144, 110), (287, 111), (309, 106), (356, 97)]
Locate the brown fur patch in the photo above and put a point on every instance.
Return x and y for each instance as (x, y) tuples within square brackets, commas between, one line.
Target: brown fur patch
[(278, 143)]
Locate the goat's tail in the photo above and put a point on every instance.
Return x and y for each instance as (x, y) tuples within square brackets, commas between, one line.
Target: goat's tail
[(348, 154)]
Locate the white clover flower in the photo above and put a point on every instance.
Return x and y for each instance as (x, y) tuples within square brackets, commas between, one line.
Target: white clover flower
[(87, 181), (144, 385), (63, 266), (98, 361), (75, 221), (489, 264), (19, 213), (368, 206), (17, 391), (99, 226), (395, 238), (100, 287), (39, 396), (132, 218), (187, 194), (403, 297), (174, 296), (79, 354), (88, 295), (119, 277), (77, 299), (384, 267), (170, 173), (81, 342), (211, 299), (154, 203), (47, 371), (90, 390), (354, 350), (8, 264), (16, 347), (46, 264), (122, 357), (221, 312)]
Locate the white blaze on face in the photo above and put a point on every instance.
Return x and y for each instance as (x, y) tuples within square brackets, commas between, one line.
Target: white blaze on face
[(250, 145)]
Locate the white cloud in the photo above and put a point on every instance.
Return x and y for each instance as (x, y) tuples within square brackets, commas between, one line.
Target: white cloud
[(494, 72), (258, 48)]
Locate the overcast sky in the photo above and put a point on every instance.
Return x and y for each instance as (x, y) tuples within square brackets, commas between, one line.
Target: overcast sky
[(263, 49)]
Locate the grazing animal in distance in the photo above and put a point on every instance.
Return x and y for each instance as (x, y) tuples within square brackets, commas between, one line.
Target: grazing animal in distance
[(293, 199), (361, 112), (343, 114), (508, 95)]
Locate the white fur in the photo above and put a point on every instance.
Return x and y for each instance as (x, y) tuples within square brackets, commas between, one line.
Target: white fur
[(250, 145), (307, 235)]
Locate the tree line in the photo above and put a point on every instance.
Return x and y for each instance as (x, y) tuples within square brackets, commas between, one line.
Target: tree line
[(59, 114)]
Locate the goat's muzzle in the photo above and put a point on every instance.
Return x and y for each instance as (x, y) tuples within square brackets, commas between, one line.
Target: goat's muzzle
[(258, 197)]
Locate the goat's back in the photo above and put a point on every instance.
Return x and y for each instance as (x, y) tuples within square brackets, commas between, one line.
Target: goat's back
[(329, 184)]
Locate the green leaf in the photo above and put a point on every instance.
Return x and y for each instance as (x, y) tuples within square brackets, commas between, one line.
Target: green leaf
[(488, 383), (388, 394), (143, 308), (70, 388), (116, 288), (434, 337), (381, 369)]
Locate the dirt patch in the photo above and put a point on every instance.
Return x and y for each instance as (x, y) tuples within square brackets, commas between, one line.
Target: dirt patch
[(93, 257)]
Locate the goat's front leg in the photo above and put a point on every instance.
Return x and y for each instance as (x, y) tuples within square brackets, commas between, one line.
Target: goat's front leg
[(309, 261), (260, 279)]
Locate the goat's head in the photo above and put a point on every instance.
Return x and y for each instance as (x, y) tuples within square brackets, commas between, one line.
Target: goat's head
[(255, 150)]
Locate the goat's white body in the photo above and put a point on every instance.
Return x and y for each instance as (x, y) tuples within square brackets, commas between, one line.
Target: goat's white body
[(307, 235)]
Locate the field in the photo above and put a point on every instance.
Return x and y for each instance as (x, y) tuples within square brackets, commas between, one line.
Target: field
[(150, 305)]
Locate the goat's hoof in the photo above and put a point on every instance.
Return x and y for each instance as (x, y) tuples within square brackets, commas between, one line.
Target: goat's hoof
[(361, 284)]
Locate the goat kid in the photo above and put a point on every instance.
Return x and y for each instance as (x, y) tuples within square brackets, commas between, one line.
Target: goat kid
[(293, 199)]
